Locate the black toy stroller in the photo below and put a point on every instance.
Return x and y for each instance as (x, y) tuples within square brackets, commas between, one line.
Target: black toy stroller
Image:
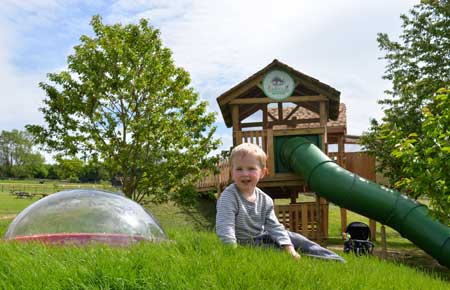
[(357, 237)]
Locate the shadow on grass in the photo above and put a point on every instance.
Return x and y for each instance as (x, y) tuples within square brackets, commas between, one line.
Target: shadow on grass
[(416, 258), (202, 213), (404, 253), (199, 217)]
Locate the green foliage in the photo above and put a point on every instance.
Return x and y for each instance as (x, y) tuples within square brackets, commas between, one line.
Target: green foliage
[(123, 101), (94, 171), (427, 157), (68, 168), (17, 157), (418, 65)]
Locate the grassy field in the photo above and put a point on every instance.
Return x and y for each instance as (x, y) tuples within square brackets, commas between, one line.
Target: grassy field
[(197, 260)]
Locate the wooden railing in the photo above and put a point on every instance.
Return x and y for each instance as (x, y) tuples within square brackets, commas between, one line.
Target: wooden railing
[(255, 137), (216, 180), (302, 218)]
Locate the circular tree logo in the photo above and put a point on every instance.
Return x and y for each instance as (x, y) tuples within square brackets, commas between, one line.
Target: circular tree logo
[(278, 85)]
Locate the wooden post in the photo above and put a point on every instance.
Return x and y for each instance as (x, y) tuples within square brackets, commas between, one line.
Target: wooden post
[(280, 111), (265, 117), (318, 219), (293, 218), (343, 220), (341, 149), (383, 242), (304, 207), (236, 124), (325, 218), (323, 123), (293, 196), (270, 153), (373, 229)]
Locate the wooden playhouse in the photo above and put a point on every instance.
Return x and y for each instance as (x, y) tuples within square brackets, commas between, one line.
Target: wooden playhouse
[(276, 103)]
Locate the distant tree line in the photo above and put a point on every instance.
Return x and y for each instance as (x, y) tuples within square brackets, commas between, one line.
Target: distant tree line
[(19, 159)]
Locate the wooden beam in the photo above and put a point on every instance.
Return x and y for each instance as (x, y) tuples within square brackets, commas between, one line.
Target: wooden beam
[(237, 137), (280, 111), (239, 91), (248, 111), (235, 117), (283, 177), (292, 112), (336, 130), (341, 151), (299, 121), (265, 117), (271, 116), (292, 99), (263, 183), (298, 131), (251, 124), (279, 123), (293, 122), (323, 122), (270, 153), (236, 128)]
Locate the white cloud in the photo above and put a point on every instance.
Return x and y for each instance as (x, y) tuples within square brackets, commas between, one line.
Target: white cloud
[(223, 42), (19, 94), (219, 42)]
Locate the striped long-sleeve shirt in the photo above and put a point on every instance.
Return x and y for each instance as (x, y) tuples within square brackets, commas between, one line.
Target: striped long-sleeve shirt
[(240, 221)]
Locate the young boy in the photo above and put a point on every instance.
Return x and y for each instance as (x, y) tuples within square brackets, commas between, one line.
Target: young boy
[(245, 214)]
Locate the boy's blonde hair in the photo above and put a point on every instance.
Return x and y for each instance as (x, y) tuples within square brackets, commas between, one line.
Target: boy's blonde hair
[(249, 148)]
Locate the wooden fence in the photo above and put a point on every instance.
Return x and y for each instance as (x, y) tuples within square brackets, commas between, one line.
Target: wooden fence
[(302, 218), (49, 188)]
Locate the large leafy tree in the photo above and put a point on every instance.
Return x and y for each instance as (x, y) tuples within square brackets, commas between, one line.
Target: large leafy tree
[(17, 157), (123, 101), (418, 64), (428, 156)]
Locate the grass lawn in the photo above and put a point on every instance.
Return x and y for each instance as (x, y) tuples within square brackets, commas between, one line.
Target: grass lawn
[(197, 260), (10, 205)]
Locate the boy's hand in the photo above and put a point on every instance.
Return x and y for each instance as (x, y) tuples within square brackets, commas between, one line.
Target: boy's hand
[(291, 251)]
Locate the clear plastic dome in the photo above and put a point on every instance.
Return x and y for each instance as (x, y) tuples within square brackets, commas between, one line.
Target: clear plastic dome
[(85, 216)]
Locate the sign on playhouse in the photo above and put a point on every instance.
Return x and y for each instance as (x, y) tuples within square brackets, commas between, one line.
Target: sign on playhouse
[(278, 85)]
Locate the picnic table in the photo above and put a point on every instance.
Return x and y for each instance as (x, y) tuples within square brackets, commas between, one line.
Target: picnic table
[(22, 194)]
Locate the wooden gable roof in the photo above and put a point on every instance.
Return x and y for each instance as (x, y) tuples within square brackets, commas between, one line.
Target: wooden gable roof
[(305, 86)]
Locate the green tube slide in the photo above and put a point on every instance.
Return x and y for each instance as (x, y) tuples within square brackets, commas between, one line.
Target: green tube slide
[(369, 199)]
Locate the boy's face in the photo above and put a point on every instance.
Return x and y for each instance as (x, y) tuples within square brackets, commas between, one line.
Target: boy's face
[(246, 172)]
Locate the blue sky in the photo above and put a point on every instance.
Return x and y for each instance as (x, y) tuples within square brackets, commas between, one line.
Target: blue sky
[(220, 43)]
